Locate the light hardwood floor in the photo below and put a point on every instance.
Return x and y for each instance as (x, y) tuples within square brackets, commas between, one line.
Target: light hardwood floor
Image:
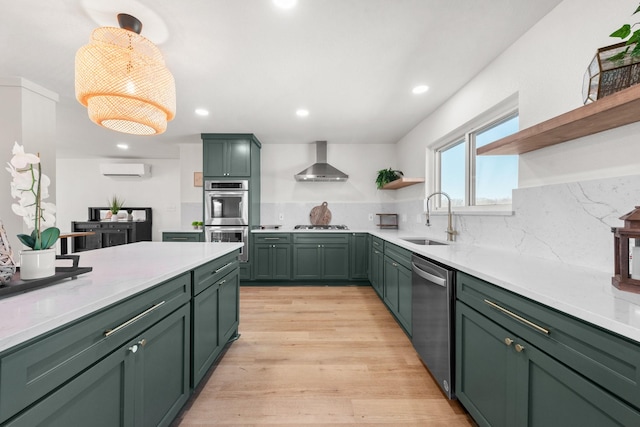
[(319, 356)]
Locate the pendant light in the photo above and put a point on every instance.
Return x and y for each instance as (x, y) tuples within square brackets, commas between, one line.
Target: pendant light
[(121, 78)]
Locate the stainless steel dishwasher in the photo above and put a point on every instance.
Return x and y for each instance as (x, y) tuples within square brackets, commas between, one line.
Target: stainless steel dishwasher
[(433, 297)]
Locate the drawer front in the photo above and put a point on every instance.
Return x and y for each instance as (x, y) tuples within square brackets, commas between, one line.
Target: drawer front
[(377, 243), (33, 370), (611, 361), (272, 238), (181, 237), (320, 238), (399, 255), (118, 225), (208, 274), (86, 226)]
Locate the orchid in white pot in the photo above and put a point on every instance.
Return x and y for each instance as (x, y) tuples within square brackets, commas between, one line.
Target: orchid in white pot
[(30, 186)]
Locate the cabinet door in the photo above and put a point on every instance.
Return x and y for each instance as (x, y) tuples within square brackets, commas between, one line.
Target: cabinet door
[(552, 394), (206, 344), (228, 305), (390, 283), (103, 395), (114, 237), (376, 271), (335, 261), (281, 264), (485, 369), (262, 264), (238, 158), (162, 369), (214, 158), (306, 261), (404, 298), (359, 258)]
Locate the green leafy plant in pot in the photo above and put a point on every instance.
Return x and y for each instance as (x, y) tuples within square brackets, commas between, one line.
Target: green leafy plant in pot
[(115, 204), (386, 176)]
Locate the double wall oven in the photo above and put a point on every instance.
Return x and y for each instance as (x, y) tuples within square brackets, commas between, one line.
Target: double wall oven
[(226, 213)]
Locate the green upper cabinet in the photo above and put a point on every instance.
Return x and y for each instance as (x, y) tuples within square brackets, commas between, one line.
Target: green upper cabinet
[(230, 158), (231, 155)]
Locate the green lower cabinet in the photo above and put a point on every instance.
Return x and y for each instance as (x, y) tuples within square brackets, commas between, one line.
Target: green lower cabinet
[(215, 321), (397, 291), (359, 256), (143, 383), (321, 261), (272, 261), (376, 268), (503, 380)]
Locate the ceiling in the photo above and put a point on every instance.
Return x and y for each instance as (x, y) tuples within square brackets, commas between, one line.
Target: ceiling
[(351, 63)]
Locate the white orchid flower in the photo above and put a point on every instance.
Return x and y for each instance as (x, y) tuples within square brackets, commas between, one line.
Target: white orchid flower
[(21, 159)]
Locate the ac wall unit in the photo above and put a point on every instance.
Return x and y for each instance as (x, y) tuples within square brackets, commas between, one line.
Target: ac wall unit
[(125, 169)]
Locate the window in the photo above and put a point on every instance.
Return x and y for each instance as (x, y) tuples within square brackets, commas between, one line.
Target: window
[(472, 180)]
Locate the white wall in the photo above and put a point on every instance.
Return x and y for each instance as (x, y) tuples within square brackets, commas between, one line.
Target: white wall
[(544, 68), (80, 185), (280, 162), (27, 116)]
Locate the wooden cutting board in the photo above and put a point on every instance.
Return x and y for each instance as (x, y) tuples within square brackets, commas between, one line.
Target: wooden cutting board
[(320, 215)]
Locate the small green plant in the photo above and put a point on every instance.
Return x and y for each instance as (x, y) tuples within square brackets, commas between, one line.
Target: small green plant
[(197, 224), (385, 176), (115, 204), (624, 32)]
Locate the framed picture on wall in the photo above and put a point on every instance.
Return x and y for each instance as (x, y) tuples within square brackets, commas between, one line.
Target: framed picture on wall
[(197, 179)]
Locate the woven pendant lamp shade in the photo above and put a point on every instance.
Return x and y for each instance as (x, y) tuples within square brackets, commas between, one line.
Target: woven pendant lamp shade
[(122, 80)]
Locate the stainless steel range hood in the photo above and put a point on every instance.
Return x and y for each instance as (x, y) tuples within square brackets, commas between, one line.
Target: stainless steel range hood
[(321, 170)]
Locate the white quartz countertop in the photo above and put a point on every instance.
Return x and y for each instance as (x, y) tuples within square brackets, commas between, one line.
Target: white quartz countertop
[(118, 273), (578, 291)]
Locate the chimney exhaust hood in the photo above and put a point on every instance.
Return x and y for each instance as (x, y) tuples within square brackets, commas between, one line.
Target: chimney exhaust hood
[(321, 170)]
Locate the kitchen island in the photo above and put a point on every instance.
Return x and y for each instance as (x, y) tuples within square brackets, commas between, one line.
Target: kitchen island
[(116, 343)]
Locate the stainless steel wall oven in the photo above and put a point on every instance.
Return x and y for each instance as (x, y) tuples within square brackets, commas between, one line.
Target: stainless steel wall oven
[(226, 213), (226, 202)]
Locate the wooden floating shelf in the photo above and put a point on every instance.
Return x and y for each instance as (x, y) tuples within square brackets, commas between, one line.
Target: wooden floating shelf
[(618, 109), (402, 182)]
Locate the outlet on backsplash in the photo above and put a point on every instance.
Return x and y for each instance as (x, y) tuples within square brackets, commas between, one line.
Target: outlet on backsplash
[(370, 217), (281, 217)]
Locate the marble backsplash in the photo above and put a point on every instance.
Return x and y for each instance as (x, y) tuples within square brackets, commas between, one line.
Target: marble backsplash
[(570, 222)]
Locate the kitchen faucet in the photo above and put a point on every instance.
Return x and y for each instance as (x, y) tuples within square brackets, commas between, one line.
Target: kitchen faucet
[(450, 231)]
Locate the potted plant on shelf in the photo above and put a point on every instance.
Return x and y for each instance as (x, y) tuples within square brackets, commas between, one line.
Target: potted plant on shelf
[(30, 186), (197, 225), (386, 176), (115, 204)]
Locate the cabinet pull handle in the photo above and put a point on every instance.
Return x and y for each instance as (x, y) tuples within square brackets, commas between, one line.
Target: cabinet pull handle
[(109, 332), (142, 342), (222, 268), (179, 238), (133, 348), (271, 238), (394, 264), (508, 341), (519, 348), (222, 282), (518, 318)]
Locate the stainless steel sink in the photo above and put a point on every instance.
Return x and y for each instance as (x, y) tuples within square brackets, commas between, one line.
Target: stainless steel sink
[(424, 242)]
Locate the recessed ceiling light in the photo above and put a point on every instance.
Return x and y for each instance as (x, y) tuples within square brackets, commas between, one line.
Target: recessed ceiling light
[(420, 89), (202, 112), (123, 146), (285, 4), (302, 112)]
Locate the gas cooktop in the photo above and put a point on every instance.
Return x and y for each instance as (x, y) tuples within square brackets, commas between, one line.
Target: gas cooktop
[(321, 227)]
